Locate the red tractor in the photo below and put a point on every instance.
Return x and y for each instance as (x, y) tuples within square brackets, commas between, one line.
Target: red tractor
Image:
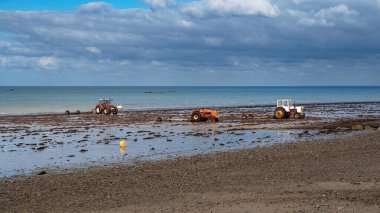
[(105, 107)]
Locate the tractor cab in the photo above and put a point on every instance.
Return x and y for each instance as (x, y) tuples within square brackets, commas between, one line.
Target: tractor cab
[(287, 104), (104, 101)]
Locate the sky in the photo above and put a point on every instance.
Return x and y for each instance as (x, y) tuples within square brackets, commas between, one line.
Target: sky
[(189, 43)]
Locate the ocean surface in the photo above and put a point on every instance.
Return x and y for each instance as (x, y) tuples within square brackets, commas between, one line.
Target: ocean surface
[(31, 100)]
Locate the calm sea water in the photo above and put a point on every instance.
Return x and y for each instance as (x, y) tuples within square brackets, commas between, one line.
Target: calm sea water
[(25, 100)]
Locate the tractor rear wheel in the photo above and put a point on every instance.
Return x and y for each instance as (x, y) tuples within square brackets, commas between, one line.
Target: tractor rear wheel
[(280, 113), (115, 111), (107, 111), (98, 111), (196, 117)]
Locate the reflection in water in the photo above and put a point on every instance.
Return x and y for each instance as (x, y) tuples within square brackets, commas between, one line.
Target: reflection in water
[(123, 149)]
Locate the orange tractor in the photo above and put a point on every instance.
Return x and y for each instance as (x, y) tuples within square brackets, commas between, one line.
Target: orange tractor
[(200, 115)]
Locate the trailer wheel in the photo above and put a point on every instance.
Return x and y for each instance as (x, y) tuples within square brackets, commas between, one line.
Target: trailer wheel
[(280, 113), (98, 111), (107, 111), (196, 117)]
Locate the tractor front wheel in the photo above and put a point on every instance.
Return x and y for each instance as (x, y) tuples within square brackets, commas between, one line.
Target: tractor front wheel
[(196, 117), (297, 116), (280, 113), (98, 111), (115, 111), (107, 111)]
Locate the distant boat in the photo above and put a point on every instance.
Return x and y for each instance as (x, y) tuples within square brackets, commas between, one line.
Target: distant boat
[(11, 89)]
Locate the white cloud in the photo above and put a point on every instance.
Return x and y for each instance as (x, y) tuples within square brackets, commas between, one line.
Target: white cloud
[(155, 63), (327, 17), (125, 62), (337, 10), (95, 7), (231, 7), (160, 3), (47, 62), (185, 24), (93, 50)]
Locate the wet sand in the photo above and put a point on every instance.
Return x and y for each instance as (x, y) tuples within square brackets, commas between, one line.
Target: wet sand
[(317, 176), (328, 175)]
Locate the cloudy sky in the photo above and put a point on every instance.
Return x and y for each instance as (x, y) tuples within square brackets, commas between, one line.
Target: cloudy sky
[(204, 42)]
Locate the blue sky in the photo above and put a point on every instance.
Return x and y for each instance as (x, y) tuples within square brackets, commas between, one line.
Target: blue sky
[(61, 4), (66, 4), (204, 42)]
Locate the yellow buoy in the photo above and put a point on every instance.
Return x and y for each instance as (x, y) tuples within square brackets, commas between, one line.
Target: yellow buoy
[(123, 144)]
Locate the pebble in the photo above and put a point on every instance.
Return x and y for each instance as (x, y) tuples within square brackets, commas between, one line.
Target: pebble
[(42, 173)]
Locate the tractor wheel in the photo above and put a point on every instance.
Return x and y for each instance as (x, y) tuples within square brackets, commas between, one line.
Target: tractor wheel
[(98, 111), (115, 111), (107, 111), (196, 117), (216, 120), (280, 113), (303, 116), (297, 116)]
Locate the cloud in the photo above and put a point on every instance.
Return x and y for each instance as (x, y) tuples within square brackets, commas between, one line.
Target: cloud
[(93, 50), (231, 7), (242, 42), (184, 23), (92, 7), (325, 17), (155, 4), (341, 10), (47, 62)]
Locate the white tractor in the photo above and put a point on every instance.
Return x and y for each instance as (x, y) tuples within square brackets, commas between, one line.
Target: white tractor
[(286, 108)]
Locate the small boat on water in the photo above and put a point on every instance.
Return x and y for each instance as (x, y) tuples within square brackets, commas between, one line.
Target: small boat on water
[(11, 89)]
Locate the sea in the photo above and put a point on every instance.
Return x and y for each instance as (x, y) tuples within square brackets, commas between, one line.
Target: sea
[(21, 100)]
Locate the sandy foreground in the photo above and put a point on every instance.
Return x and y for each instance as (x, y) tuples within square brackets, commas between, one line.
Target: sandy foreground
[(324, 175), (321, 176)]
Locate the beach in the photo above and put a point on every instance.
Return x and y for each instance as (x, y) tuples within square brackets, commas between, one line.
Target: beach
[(190, 106), (315, 176), (72, 162)]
